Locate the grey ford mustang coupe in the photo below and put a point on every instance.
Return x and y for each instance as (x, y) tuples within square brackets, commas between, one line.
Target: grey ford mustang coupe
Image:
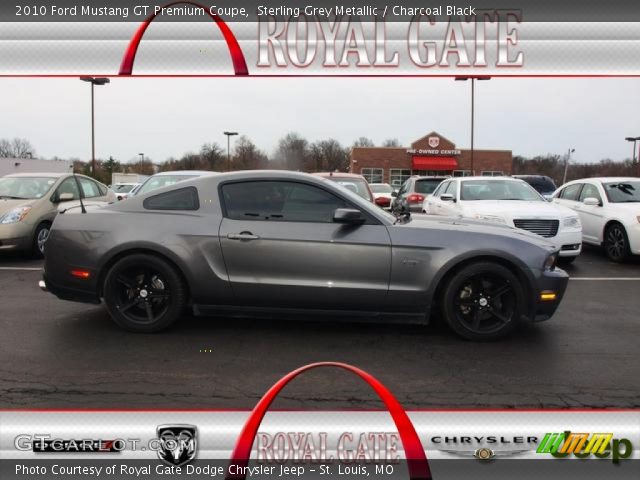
[(288, 244)]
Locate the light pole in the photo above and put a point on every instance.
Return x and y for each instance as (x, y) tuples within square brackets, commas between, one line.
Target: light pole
[(473, 101), (634, 140), (566, 164), (94, 81), (229, 135)]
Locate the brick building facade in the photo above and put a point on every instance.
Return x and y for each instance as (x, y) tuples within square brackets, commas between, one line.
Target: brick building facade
[(432, 154)]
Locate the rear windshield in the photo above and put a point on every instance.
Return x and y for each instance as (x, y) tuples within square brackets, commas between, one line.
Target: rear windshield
[(623, 192), (356, 185), (123, 188), (541, 184), (427, 185), (380, 188), (163, 181)]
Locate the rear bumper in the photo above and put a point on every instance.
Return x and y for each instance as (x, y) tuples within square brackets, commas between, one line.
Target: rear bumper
[(551, 281), (66, 293)]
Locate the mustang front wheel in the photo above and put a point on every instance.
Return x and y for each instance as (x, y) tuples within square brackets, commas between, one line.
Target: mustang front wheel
[(481, 301), (144, 293)]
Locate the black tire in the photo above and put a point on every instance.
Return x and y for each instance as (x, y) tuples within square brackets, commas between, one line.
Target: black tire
[(482, 301), (40, 237), (616, 243), (144, 293), (564, 261)]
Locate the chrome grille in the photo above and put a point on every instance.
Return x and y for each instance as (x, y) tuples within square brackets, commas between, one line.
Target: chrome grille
[(544, 228)]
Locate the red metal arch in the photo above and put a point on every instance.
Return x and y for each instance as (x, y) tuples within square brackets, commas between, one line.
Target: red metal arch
[(237, 57), (414, 452)]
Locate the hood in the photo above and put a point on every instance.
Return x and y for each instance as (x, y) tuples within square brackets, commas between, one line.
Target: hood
[(477, 226), (517, 209), (630, 208), (7, 204)]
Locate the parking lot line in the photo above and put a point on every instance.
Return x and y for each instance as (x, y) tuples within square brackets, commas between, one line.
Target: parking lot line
[(605, 279), (27, 269)]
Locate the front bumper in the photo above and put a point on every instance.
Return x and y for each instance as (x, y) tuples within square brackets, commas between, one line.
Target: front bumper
[(554, 281), (633, 233), (15, 236), (568, 242)]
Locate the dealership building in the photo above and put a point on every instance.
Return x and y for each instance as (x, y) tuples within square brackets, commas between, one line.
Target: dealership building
[(432, 154)]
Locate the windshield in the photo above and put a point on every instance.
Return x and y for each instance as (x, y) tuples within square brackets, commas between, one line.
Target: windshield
[(22, 188), (623, 192), (123, 188), (160, 181), (498, 190), (380, 188), (427, 185), (356, 185)]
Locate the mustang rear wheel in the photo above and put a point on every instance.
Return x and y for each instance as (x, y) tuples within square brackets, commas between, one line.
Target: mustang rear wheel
[(482, 301), (144, 293)]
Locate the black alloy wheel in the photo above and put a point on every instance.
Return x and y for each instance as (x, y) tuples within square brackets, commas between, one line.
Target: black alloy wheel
[(144, 293), (616, 243), (482, 301)]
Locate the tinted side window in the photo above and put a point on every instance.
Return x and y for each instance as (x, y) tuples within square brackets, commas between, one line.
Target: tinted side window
[(571, 192), (590, 190), (279, 201), (181, 199)]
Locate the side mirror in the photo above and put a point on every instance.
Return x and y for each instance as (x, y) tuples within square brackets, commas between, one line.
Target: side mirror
[(394, 193), (591, 201), (447, 197), (65, 197), (349, 216)]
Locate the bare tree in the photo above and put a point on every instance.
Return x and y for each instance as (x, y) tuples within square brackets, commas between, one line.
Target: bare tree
[(293, 151), (247, 156), (16, 148), (213, 156), (329, 155), (391, 142), (363, 142)]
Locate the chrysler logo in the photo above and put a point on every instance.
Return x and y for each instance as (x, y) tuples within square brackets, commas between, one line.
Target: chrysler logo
[(434, 142), (178, 444)]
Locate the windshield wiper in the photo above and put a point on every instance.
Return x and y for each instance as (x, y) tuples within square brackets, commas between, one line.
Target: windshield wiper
[(11, 197)]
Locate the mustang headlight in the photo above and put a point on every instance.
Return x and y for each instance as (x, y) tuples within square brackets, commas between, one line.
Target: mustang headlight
[(572, 222), (14, 216), (490, 218), (550, 262)]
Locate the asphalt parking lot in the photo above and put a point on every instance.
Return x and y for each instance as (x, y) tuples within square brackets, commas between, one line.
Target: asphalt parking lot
[(56, 354)]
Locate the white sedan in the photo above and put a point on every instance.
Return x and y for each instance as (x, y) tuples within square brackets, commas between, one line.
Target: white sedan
[(511, 202), (609, 209)]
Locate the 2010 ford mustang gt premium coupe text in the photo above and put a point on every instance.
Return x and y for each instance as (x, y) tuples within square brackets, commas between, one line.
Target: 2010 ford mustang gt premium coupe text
[(289, 244)]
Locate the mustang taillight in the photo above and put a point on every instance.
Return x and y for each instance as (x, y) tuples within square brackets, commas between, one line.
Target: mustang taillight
[(83, 274), (415, 198)]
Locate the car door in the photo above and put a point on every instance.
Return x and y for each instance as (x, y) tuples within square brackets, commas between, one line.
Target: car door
[(450, 208), (591, 216), (569, 195), (282, 249), (434, 203)]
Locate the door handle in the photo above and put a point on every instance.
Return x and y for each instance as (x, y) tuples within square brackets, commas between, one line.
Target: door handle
[(242, 236)]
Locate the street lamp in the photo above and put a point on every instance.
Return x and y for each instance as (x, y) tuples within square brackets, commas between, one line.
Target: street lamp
[(566, 164), (94, 81), (473, 88), (634, 140), (229, 135)]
